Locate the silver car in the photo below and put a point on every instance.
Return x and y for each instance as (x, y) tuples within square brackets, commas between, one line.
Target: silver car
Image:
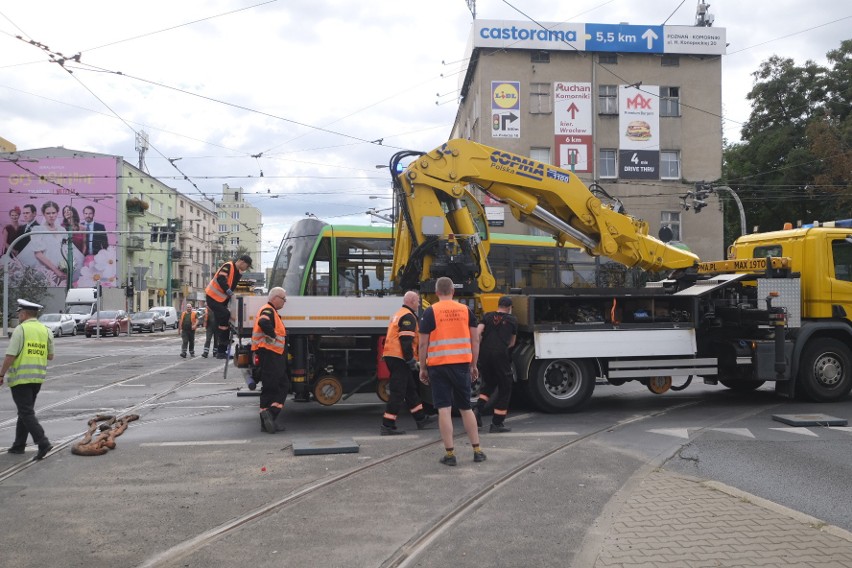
[(59, 324), (147, 321)]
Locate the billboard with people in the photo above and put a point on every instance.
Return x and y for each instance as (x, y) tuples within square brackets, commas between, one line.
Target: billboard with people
[(57, 215)]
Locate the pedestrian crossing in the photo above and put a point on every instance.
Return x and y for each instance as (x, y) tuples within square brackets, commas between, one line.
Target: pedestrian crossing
[(801, 432)]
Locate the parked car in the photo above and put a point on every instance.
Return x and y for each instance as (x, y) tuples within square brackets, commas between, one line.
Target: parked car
[(169, 314), (59, 324), (111, 321), (147, 321)]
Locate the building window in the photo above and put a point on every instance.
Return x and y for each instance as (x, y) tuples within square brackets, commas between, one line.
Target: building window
[(540, 155), (608, 58), (235, 241), (669, 165), (235, 228), (607, 164), (223, 228), (540, 98), (608, 99), (670, 61), (540, 57), (669, 101), (671, 219), (235, 214)]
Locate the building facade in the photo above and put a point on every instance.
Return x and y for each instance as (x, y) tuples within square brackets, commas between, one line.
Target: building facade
[(239, 227), (159, 244), (636, 109)]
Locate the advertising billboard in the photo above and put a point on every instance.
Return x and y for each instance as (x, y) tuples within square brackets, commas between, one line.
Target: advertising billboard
[(56, 214)]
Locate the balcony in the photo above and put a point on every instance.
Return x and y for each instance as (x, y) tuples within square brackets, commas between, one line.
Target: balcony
[(136, 207), (135, 244)]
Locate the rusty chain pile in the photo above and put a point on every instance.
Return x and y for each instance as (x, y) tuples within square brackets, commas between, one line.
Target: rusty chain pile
[(110, 429)]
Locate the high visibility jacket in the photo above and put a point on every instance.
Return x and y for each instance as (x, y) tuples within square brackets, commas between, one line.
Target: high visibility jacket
[(399, 328), (193, 318), (259, 339), (30, 366), (450, 341), (215, 290)]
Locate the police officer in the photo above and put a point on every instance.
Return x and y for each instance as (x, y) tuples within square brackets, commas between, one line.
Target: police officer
[(219, 293), (269, 342), (498, 332), (24, 368), (400, 355), (449, 348)]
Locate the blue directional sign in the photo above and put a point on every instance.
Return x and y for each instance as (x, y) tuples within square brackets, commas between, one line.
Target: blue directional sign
[(624, 38)]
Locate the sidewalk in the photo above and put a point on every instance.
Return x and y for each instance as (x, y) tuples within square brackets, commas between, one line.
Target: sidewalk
[(673, 520)]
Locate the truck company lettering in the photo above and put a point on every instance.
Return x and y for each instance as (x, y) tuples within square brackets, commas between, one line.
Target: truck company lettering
[(519, 34), (518, 165)]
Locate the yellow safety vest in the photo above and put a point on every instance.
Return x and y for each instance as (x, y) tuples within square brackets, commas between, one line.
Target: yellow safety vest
[(30, 365)]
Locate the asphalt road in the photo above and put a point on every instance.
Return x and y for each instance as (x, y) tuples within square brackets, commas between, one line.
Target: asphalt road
[(194, 482)]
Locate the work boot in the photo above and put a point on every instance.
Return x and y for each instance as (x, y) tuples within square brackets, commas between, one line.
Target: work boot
[(426, 422), (390, 431), (499, 428), (448, 460), (279, 421), (43, 450), (479, 456), (16, 449), (205, 354), (191, 354), (267, 423), (183, 354)]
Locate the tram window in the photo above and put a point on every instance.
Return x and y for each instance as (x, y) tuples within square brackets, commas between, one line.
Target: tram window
[(319, 276), (362, 264), (498, 259), (534, 267), (576, 269)]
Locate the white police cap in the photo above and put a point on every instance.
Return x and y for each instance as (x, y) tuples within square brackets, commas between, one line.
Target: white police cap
[(27, 305)]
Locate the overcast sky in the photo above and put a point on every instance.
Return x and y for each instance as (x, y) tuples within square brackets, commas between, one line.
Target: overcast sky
[(309, 85)]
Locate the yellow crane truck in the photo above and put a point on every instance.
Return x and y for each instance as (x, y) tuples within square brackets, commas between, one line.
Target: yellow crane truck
[(778, 309)]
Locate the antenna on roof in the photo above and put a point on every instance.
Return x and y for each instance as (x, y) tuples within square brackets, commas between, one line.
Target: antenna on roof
[(703, 17), (471, 5), (142, 147)]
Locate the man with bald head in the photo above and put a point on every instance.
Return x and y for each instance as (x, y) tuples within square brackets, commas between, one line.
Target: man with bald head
[(400, 355), (269, 342)]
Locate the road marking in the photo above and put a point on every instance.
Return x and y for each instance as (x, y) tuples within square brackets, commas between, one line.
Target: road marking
[(676, 432), (738, 431), (527, 434), (197, 443), (842, 428), (799, 430)]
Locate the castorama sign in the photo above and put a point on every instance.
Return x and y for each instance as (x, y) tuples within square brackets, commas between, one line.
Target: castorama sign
[(623, 38)]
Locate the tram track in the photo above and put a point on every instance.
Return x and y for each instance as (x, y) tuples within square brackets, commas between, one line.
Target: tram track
[(135, 408), (412, 549)]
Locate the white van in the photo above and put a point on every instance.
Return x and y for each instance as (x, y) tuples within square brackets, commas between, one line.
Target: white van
[(169, 314)]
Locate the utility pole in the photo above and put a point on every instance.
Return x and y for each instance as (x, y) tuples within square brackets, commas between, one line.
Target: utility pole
[(170, 238)]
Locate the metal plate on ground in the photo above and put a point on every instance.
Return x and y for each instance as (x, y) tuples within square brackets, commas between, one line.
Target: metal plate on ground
[(321, 446), (809, 419)]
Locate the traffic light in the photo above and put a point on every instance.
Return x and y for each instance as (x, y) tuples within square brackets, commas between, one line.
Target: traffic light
[(128, 290)]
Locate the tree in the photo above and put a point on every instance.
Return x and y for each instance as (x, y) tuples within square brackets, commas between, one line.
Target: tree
[(793, 163), (29, 284)]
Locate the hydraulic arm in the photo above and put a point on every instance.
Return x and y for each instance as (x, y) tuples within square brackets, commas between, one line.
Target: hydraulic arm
[(442, 228)]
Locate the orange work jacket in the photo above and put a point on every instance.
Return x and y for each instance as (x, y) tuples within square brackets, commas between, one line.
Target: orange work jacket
[(215, 291), (259, 339), (393, 348)]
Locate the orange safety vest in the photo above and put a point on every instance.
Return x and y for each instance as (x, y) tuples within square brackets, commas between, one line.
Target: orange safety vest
[(393, 348), (193, 318), (214, 290), (449, 342), (259, 339)]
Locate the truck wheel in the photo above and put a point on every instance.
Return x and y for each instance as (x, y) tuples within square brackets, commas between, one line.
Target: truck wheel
[(742, 386), (561, 385), (825, 371)]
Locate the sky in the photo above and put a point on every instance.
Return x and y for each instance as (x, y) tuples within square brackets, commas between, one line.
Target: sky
[(299, 101)]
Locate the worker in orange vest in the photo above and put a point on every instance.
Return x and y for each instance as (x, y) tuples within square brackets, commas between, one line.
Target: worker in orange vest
[(449, 349), (219, 292), (400, 355), (269, 343), (186, 328)]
